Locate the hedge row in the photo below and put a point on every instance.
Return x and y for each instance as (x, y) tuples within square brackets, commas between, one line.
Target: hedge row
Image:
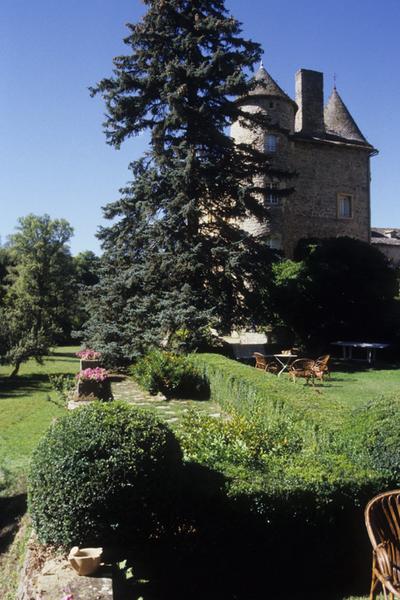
[(233, 384)]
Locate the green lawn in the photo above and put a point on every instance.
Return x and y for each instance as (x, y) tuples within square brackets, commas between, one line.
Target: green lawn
[(26, 409), (353, 388)]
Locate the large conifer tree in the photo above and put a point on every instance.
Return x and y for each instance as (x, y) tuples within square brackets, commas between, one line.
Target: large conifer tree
[(176, 256)]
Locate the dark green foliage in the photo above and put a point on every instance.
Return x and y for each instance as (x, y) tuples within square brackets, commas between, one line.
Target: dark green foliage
[(337, 288), (174, 375), (86, 267), (176, 257), (104, 473)]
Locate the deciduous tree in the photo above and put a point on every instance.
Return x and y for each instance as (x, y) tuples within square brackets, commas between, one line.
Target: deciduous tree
[(39, 288)]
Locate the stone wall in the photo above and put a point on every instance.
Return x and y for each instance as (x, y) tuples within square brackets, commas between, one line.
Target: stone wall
[(326, 169)]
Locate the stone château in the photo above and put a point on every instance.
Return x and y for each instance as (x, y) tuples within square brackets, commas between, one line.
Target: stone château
[(325, 149)]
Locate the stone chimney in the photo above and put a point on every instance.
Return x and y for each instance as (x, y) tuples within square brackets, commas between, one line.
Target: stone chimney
[(310, 100)]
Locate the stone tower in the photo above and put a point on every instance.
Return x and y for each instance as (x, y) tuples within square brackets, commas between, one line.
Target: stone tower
[(326, 150)]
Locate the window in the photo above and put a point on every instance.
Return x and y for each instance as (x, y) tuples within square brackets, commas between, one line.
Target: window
[(275, 242), (271, 196), (271, 143), (345, 206)]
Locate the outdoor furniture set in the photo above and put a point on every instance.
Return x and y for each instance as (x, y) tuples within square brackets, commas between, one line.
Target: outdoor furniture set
[(286, 360)]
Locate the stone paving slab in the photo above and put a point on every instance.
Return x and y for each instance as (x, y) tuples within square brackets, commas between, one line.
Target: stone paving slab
[(170, 410)]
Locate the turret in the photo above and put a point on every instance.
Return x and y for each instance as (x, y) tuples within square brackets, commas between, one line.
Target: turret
[(339, 122), (266, 96)]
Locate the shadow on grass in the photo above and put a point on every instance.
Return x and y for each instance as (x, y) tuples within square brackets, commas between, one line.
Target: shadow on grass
[(251, 546), (11, 510), (360, 366), (58, 353), (22, 385)]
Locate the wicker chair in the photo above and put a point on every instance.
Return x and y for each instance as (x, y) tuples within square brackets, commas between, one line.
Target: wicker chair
[(264, 364), (303, 367), (321, 367), (382, 518)]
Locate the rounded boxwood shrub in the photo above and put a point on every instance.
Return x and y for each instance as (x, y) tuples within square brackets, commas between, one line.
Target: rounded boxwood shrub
[(104, 473)]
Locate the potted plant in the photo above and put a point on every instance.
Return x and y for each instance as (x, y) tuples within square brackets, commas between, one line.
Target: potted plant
[(93, 384), (90, 359)]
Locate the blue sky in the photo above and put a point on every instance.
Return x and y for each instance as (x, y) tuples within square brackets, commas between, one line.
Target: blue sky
[(53, 155)]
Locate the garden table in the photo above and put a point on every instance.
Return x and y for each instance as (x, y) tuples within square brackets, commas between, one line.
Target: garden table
[(283, 359), (371, 348)]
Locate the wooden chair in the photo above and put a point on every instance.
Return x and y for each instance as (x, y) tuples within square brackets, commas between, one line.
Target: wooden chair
[(303, 367), (264, 364), (382, 518), (321, 367)]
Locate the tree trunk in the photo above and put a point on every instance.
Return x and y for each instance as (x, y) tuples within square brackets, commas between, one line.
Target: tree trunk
[(15, 370)]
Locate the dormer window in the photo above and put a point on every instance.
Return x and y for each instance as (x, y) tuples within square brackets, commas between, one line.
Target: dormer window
[(345, 206), (271, 143)]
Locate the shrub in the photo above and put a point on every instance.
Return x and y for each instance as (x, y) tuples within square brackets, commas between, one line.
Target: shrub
[(237, 440), (101, 473), (174, 375), (373, 437), (63, 385)]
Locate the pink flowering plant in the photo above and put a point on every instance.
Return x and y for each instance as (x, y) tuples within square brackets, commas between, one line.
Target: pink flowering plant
[(98, 374), (88, 354)]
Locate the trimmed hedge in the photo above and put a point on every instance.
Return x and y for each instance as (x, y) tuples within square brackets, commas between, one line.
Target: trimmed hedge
[(298, 473), (234, 384), (104, 473)]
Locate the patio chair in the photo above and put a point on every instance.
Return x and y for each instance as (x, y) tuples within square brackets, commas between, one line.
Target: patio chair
[(303, 367), (266, 365), (321, 367), (382, 518)]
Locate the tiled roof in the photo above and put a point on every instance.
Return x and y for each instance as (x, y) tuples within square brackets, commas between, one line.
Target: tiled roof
[(264, 85), (338, 120)]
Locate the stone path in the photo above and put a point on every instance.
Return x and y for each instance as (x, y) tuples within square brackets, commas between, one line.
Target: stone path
[(169, 410)]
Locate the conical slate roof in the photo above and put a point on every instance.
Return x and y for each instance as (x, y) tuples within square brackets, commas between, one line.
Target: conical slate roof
[(338, 120), (264, 85)]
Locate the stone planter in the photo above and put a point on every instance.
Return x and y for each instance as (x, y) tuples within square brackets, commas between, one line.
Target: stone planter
[(85, 561), (93, 390), (89, 364)]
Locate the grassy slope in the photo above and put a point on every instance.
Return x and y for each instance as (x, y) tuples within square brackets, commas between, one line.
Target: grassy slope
[(25, 413), (25, 410)]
